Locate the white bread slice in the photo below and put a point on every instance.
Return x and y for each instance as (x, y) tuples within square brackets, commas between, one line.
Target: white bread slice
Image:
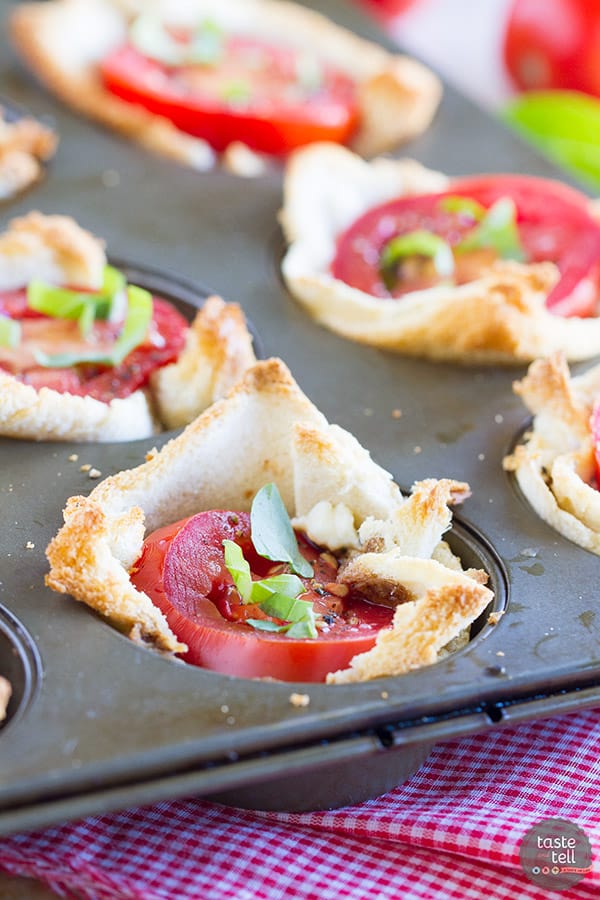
[(500, 317), (397, 95), (218, 348), (265, 430), (554, 466)]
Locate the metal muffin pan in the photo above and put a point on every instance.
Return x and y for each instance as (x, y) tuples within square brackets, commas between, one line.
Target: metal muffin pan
[(100, 723)]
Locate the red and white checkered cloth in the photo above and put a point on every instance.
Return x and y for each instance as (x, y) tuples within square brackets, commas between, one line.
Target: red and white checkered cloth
[(451, 832)]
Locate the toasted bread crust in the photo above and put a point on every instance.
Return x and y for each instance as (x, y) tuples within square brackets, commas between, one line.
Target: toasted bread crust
[(500, 317), (397, 96), (218, 348), (288, 441), (555, 465), (5, 695), (24, 145)]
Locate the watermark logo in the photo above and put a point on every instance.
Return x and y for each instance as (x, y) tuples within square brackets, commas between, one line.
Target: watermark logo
[(555, 854)]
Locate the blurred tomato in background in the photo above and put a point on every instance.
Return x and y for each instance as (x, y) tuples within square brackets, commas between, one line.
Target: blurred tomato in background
[(554, 44), (388, 9)]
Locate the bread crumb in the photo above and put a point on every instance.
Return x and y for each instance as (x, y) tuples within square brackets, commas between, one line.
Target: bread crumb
[(151, 454), (95, 473), (85, 467), (500, 653), (299, 699), (384, 695), (29, 545), (396, 413), (417, 449), (498, 418), (73, 457), (240, 160), (494, 617), (224, 708)]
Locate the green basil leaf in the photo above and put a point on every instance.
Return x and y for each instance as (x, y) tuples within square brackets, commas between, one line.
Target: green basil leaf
[(208, 44), (272, 533), (238, 568), (464, 206), (415, 243), (497, 230), (148, 35), (565, 125), (266, 625), (238, 93), (288, 585), (10, 331), (304, 629), (135, 327), (60, 303)]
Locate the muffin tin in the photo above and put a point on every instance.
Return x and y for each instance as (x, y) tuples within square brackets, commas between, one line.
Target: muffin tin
[(98, 723)]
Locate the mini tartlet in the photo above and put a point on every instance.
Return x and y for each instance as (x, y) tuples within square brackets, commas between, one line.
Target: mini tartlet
[(65, 41), (322, 473), (25, 145), (499, 315), (557, 464), (215, 349)]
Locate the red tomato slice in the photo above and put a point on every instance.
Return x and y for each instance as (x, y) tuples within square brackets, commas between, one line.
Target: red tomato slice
[(166, 337), (553, 221), (182, 570), (276, 116)]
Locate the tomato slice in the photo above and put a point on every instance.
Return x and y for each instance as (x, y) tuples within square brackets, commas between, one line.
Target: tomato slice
[(165, 340), (272, 112), (182, 570), (553, 222)]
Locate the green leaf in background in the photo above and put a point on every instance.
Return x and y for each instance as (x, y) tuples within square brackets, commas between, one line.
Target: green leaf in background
[(565, 125)]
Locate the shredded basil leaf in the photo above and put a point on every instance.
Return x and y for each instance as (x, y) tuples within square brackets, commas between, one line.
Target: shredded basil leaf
[(238, 93), (150, 36), (265, 625), (135, 327), (464, 206), (238, 568), (10, 331), (287, 585), (272, 533), (415, 243), (497, 230), (207, 46)]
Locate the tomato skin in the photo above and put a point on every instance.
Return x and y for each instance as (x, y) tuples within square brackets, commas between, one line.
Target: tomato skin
[(105, 383), (554, 45), (553, 221), (264, 127), (182, 570)]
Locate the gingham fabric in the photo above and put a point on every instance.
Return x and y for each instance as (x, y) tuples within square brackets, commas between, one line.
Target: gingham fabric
[(451, 832)]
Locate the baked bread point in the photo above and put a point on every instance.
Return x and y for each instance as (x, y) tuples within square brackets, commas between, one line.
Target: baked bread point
[(25, 145), (555, 465), (319, 470), (397, 96), (217, 351), (500, 317)]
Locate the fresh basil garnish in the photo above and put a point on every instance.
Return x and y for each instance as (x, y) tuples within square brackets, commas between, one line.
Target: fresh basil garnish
[(272, 533), (285, 585), (150, 36), (62, 303), (497, 230), (238, 568), (415, 243), (10, 331), (298, 615), (135, 327), (463, 206)]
